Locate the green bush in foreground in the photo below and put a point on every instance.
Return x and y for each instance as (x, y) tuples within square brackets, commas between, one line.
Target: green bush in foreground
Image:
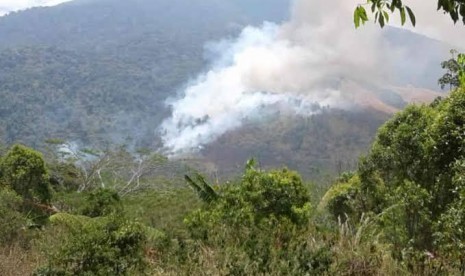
[(97, 246)]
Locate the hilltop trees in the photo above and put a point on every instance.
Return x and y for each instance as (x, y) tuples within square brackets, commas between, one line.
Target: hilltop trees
[(455, 67)]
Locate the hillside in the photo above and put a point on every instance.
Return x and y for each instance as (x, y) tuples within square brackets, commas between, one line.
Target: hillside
[(98, 72), (190, 137)]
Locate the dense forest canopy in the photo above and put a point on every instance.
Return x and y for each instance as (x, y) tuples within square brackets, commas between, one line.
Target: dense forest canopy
[(108, 71)]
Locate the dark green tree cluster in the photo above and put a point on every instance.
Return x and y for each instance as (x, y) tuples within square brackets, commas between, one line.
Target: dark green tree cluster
[(411, 183), (253, 225), (23, 170), (97, 246), (24, 187)]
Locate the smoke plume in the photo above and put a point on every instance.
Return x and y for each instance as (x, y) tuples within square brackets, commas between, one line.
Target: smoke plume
[(315, 59)]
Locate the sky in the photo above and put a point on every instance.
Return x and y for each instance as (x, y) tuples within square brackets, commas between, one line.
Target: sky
[(434, 24), (430, 22), (7, 6)]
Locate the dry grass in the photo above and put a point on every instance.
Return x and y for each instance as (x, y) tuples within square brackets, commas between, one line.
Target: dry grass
[(17, 261)]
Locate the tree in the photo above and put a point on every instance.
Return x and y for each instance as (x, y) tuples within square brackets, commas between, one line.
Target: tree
[(412, 182), (23, 170), (276, 195), (455, 67), (116, 169), (256, 219), (381, 9)]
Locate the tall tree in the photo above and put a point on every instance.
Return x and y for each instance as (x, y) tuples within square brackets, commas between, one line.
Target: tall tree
[(455, 74)]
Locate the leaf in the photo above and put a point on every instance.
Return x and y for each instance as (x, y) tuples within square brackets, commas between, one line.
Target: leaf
[(363, 15), (356, 18), (381, 20), (192, 184), (440, 4), (206, 192), (411, 15), (397, 3), (209, 191), (402, 16), (391, 7), (386, 16), (454, 15)]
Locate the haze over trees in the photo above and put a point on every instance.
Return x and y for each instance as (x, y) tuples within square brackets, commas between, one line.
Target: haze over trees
[(122, 211), (102, 76)]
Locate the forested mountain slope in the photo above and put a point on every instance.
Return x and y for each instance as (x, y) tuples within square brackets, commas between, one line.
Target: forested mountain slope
[(98, 72)]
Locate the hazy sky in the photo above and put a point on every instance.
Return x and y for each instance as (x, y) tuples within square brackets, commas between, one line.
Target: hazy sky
[(434, 24), (7, 6), (430, 22)]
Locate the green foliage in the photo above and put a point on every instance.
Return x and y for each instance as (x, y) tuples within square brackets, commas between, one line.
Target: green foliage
[(381, 9), (341, 199), (11, 219), (163, 210), (407, 222), (101, 202), (65, 176), (411, 184), (255, 219), (455, 67), (23, 169), (99, 246), (204, 191), (275, 195), (450, 231)]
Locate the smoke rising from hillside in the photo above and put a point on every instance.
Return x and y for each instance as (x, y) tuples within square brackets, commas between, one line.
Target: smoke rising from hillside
[(293, 67)]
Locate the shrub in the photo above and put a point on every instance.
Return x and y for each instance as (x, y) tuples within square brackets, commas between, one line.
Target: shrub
[(97, 246)]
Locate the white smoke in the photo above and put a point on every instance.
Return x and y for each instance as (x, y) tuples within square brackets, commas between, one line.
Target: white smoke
[(313, 59)]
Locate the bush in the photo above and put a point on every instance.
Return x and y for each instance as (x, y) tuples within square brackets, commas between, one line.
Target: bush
[(341, 199), (97, 246), (252, 224), (12, 221), (101, 202)]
